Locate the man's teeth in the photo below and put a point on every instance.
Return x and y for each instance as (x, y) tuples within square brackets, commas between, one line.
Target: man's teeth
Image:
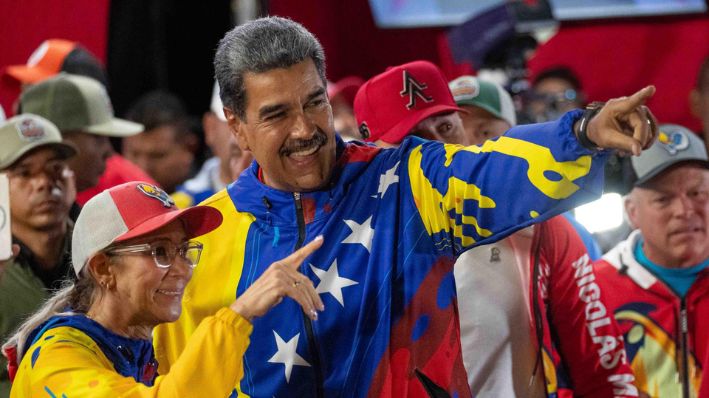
[(306, 152)]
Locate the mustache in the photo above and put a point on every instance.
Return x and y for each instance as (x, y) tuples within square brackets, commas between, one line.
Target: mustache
[(319, 139)]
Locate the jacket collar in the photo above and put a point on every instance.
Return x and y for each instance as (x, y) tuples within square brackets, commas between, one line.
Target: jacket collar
[(623, 259), (130, 357), (278, 208)]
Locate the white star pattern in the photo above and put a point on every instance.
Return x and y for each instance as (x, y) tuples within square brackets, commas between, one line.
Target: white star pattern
[(331, 282), (387, 179), (287, 355), (361, 233)]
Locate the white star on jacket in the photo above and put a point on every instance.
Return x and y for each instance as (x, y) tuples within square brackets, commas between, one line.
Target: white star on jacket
[(287, 355), (331, 282), (387, 179), (361, 233)]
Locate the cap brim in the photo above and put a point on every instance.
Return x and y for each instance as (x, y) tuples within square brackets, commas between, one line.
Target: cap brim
[(470, 102), (656, 171), (401, 130), (115, 128), (65, 150), (27, 74), (198, 221)]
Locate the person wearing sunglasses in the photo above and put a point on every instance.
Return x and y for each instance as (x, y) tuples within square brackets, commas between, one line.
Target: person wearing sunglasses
[(133, 255)]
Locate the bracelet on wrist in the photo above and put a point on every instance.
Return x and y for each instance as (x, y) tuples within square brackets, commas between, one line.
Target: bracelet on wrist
[(591, 110)]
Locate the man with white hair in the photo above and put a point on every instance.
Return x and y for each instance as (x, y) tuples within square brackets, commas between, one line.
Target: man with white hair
[(657, 281)]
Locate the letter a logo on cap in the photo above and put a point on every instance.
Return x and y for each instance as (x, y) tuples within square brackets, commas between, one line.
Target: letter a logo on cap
[(413, 89)]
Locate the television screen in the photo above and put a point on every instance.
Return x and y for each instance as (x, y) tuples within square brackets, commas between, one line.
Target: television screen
[(421, 13)]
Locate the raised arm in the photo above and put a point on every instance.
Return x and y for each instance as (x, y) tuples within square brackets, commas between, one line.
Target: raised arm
[(479, 194)]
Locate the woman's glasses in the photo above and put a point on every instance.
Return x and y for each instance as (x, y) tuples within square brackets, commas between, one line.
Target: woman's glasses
[(164, 252)]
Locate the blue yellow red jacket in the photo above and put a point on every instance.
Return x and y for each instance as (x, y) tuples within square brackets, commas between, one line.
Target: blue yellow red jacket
[(394, 222), (666, 337)]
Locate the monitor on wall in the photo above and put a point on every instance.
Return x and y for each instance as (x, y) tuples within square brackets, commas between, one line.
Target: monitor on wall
[(423, 13)]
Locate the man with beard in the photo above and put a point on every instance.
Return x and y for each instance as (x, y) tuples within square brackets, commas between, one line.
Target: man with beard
[(657, 281), (393, 221), (35, 160)]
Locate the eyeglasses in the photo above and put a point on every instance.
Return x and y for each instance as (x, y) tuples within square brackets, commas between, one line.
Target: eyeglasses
[(164, 252)]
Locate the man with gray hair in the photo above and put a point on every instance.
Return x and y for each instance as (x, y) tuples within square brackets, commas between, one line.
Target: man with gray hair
[(394, 221), (656, 282)]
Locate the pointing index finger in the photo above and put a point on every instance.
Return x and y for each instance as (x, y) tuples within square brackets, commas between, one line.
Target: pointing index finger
[(294, 260), (628, 104)]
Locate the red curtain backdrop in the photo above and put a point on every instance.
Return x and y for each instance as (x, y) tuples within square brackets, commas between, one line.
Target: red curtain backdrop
[(27, 23)]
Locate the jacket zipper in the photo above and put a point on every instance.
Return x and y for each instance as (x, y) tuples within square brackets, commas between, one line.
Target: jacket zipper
[(684, 329), (312, 343)]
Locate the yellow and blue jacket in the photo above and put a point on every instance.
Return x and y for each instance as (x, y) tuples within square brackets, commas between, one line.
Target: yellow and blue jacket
[(394, 222), (74, 357)]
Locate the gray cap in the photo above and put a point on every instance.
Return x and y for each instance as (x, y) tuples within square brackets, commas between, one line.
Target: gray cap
[(76, 103), (674, 144), (23, 133)]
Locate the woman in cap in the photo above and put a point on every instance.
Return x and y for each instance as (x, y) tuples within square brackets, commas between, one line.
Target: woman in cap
[(133, 256)]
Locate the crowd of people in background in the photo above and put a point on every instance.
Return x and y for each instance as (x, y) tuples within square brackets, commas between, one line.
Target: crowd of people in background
[(426, 236)]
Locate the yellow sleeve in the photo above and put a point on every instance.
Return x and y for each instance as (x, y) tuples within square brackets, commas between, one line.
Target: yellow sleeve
[(214, 282), (71, 365)]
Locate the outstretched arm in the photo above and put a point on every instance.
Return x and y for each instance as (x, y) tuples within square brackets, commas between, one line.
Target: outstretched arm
[(479, 194)]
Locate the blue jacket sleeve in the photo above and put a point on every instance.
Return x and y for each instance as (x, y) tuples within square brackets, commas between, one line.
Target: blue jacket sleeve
[(479, 194)]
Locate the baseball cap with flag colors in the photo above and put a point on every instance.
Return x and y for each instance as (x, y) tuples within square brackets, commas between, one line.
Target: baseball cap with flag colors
[(390, 104), (128, 211)]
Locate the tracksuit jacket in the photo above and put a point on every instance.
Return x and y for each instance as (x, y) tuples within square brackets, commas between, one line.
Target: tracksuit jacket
[(665, 336), (548, 338), (394, 222), (75, 357)]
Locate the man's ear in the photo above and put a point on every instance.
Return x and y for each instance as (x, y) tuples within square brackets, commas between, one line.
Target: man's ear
[(236, 127), (631, 210)]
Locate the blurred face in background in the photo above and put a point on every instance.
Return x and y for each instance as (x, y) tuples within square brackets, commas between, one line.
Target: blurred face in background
[(552, 97), (699, 104), (344, 119), (162, 154), (481, 125), (90, 162)]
